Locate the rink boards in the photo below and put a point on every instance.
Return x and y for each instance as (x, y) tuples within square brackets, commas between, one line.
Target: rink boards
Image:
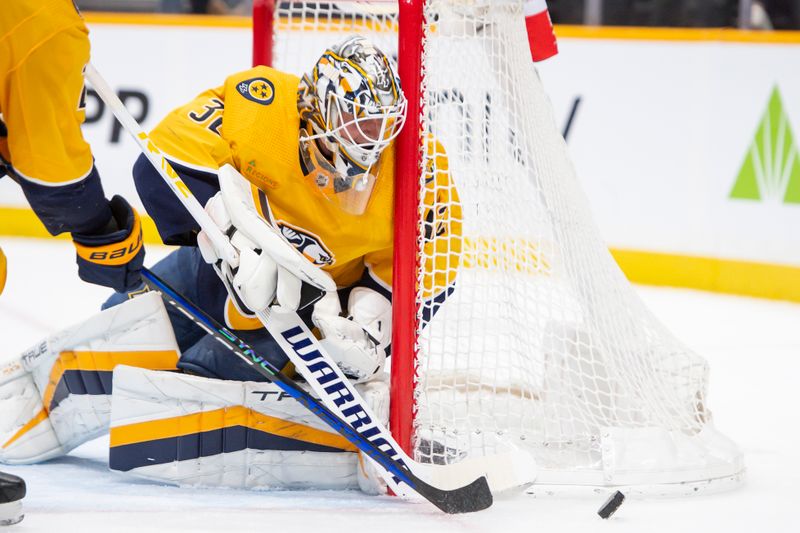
[(685, 141)]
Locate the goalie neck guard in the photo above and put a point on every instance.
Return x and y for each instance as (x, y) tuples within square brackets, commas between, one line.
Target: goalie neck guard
[(353, 107)]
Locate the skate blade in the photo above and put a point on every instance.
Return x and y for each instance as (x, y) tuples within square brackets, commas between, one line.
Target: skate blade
[(11, 513)]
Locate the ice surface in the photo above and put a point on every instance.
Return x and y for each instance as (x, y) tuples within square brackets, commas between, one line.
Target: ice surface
[(753, 347)]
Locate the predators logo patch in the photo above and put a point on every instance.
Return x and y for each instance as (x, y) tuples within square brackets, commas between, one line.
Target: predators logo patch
[(307, 244), (258, 90)]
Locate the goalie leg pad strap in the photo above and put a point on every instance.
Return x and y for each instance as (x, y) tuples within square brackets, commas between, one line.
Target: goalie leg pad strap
[(196, 431), (56, 396)]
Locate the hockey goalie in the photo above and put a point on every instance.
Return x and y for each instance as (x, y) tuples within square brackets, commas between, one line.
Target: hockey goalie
[(314, 158)]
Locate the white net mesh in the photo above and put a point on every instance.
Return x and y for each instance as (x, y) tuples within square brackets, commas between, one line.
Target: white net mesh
[(542, 343), (303, 30)]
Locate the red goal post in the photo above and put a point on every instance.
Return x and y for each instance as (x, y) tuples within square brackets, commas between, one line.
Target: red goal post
[(263, 13), (406, 215)]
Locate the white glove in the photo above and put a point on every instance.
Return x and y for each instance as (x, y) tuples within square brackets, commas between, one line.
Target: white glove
[(358, 342), (268, 267), (255, 278)]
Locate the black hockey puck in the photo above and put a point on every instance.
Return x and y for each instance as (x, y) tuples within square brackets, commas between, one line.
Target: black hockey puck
[(611, 505)]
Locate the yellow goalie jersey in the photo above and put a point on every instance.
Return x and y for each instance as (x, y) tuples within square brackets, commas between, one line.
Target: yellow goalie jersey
[(252, 122)]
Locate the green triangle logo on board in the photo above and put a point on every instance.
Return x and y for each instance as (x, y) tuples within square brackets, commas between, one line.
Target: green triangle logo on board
[(771, 168)]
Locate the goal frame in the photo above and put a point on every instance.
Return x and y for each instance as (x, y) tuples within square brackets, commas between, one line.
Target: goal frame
[(668, 469), (408, 167)]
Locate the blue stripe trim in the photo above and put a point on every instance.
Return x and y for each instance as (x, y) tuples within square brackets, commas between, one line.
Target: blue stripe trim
[(93, 382), (205, 444), (368, 280), (79, 207), (430, 307)]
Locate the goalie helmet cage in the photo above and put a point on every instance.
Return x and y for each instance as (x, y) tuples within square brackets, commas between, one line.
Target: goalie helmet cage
[(513, 325)]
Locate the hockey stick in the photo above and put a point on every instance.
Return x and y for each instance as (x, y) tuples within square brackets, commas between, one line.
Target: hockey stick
[(309, 357), (473, 497)]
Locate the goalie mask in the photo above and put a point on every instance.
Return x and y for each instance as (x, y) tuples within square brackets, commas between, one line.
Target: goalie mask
[(353, 107)]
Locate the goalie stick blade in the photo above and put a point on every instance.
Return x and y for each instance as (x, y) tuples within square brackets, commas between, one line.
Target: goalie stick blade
[(468, 499), (503, 471)]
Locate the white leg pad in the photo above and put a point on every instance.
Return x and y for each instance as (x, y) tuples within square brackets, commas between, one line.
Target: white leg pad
[(26, 433), (194, 431), (56, 396)]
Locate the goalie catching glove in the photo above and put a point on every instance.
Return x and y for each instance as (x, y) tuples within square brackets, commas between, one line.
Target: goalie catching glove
[(268, 269), (358, 342)]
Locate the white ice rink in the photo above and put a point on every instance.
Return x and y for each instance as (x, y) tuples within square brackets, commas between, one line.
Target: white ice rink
[(753, 347)]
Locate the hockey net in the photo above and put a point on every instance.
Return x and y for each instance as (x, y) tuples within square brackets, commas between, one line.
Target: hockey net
[(525, 333)]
